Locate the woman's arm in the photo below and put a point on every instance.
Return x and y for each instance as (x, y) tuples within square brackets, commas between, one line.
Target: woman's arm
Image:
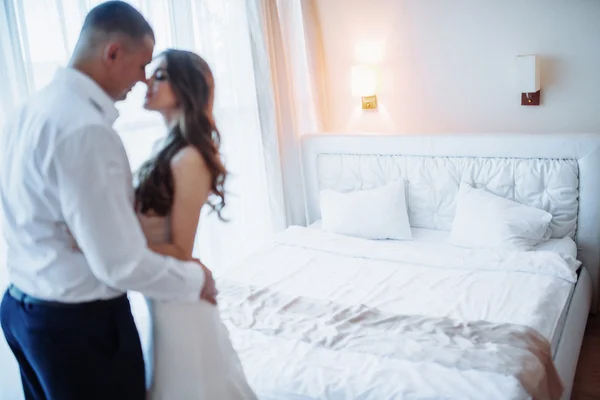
[(191, 189), (169, 249)]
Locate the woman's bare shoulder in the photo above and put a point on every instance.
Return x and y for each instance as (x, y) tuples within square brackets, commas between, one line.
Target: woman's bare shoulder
[(188, 157)]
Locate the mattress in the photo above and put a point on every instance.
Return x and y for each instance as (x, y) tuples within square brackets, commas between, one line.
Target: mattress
[(566, 246), (309, 269)]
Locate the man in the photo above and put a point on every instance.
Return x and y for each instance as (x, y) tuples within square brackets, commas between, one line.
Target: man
[(66, 316)]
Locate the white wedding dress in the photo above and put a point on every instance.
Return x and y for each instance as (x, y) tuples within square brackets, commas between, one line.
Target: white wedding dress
[(190, 355)]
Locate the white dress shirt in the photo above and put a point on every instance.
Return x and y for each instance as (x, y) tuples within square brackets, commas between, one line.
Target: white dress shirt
[(65, 169)]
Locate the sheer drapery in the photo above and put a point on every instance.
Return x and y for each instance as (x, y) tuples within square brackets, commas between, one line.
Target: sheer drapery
[(11, 92), (265, 56), (39, 36), (290, 33)]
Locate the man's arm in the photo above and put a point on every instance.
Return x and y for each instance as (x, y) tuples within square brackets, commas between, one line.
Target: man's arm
[(92, 176)]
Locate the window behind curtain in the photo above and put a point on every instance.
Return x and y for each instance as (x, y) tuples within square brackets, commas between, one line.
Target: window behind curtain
[(44, 33)]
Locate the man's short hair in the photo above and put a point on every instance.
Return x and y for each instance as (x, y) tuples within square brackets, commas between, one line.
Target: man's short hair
[(117, 17)]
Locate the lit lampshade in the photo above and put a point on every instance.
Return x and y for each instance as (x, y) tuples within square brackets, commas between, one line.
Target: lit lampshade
[(365, 81), (528, 68)]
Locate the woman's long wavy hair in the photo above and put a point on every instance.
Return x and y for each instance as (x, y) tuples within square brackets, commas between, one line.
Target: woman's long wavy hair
[(193, 85)]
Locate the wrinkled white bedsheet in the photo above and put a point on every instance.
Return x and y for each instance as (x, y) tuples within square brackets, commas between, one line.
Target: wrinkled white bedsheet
[(323, 316)]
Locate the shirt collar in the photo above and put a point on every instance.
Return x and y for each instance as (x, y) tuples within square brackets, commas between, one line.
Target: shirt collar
[(89, 88)]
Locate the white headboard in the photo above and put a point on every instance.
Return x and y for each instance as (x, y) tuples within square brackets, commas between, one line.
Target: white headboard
[(557, 172)]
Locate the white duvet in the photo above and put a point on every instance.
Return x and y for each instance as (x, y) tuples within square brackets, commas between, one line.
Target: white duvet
[(283, 306)]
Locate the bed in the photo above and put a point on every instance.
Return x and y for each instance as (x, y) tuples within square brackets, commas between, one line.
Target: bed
[(320, 315)]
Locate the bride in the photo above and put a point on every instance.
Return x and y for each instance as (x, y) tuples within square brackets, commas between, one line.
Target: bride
[(191, 356)]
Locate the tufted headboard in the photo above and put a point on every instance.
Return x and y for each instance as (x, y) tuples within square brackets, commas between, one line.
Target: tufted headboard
[(556, 172)]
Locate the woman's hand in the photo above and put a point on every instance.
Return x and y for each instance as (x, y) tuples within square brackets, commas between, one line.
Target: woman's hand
[(209, 291)]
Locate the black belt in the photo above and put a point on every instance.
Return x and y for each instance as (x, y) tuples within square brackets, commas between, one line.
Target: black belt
[(24, 298)]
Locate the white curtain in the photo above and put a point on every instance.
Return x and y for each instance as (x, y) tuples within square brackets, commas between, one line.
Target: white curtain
[(39, 36), (265, 55), (289, 30), (11, 91)]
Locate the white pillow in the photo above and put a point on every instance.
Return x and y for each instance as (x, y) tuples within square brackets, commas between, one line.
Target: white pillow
[(484, 220), (370, 214)]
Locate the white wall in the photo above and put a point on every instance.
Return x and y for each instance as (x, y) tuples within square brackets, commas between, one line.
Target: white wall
[(449, 65)]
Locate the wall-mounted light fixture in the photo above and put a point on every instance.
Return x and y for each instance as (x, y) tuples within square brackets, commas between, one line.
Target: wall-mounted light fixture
[(365, 80), (529, 79)]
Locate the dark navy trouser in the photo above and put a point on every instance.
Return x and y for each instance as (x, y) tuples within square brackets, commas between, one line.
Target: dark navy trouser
[(85, 351)]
